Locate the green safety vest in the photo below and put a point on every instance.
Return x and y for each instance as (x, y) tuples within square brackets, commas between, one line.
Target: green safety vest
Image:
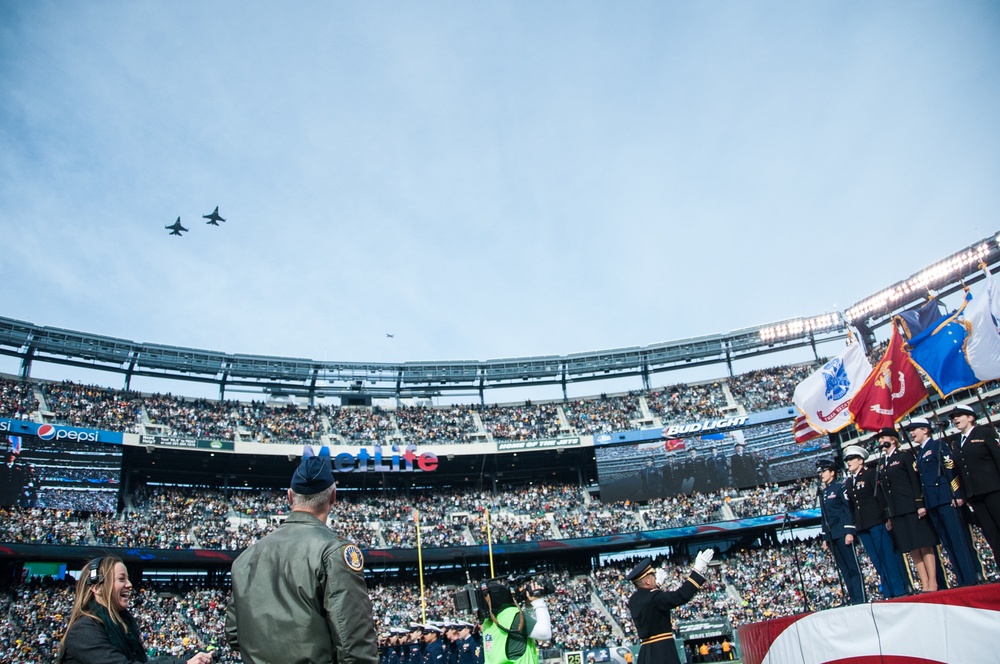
[(495, 640)]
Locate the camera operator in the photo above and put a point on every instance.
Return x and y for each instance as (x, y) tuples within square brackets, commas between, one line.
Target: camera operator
[(509, 634)]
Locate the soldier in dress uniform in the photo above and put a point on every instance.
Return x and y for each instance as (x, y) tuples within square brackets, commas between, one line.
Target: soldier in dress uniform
[(869, 522), (650, 607), (977, 455), (839, 531), (433, 647), (907, 515), (942, 498), (414, 653), (469, 652)]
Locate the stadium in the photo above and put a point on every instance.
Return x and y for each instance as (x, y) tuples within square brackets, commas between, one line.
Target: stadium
[(440, 496)]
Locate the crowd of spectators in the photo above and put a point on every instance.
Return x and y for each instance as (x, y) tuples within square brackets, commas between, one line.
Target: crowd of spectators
[(603, 415), (172, 517), (119, 410), (436, 425), (589, 609), (281, 424), (687, 402), (17, 399), (768, 388), (93, 407), (528, 421), (201, 418)]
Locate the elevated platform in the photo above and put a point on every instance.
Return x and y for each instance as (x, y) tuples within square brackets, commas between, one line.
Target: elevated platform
[(958, 626)]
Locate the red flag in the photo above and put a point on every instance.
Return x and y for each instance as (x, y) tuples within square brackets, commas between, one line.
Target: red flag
[(893, 389), (803, 432), (674, 444)]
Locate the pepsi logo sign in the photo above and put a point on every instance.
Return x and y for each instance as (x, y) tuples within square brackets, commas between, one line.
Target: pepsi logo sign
[(48, 432)]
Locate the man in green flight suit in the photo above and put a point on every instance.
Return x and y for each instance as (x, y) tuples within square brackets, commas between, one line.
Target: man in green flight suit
[(299, 594)]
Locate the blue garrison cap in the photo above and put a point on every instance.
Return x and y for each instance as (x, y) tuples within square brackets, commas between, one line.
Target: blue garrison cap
[(314, 474)]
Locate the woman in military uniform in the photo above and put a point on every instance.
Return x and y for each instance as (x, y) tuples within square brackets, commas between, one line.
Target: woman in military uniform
[(905, 511)]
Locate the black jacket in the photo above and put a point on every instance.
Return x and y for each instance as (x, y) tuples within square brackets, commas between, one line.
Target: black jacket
[(898, 477), (978, 461), (87, 643), (866, 507)]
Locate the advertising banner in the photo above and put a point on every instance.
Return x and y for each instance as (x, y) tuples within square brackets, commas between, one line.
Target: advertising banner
[(187, 442), (58, 432), (519, 445)]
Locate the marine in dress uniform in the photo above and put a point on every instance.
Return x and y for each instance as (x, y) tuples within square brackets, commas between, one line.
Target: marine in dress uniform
[(977, 455), (650, 608), (839, 531), (942, 496), (907, 515), (868, 513)]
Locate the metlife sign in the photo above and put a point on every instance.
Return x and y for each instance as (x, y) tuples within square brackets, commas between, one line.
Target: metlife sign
[(59, 432)]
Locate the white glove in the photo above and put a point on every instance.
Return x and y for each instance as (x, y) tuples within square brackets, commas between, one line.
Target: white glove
[(661, 576), (702, 559)]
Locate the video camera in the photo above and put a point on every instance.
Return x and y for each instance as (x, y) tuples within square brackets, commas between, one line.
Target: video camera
[(472, 598)]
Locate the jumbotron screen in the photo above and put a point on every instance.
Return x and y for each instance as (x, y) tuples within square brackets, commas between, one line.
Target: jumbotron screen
[(708, 462), (60, 474)]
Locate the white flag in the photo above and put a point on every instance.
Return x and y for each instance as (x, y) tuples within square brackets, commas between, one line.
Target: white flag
[(982, 349), (823, 397)]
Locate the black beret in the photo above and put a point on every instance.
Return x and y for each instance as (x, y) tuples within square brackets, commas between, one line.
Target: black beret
[(313, 475), (644, 567)]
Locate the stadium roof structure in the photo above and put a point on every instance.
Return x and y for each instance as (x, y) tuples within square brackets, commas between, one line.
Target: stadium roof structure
[(312, 378)]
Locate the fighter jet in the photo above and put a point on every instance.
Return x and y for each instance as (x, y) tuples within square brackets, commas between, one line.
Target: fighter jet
[(176, 228), (390, 336), (213, 218)]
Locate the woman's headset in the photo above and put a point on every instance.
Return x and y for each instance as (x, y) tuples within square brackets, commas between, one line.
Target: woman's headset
[(94, 576)]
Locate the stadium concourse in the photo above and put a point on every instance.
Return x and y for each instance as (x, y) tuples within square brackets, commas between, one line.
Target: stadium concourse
[(166, 504)]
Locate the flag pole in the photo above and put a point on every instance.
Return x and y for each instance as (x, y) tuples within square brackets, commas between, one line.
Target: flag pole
[(489, 542), (420, 567)]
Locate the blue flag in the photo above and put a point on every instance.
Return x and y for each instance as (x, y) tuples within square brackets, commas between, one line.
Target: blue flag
[(939, 351), (915, 321)]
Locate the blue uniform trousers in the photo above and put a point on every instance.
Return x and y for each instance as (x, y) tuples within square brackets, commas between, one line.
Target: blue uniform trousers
[(957, 543), (850, 570), (888, 562)]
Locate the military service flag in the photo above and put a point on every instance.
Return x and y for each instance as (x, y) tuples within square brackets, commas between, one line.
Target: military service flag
[(893, 389), (824, 395)]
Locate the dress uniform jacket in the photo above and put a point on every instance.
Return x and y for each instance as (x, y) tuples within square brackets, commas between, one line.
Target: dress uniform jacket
[(938, 477), (469, 651), (299, 595), (978, 460), (898, 475), (650, 611), (940, 483), (434, 652), (867, 509)]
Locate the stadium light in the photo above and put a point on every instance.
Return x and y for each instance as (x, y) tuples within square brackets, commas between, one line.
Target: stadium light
[(941, 273), (800, 327)]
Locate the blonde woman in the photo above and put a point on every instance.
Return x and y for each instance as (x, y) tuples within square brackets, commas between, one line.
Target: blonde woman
[(101, 629)]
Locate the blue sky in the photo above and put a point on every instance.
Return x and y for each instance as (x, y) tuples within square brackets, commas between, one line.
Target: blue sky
[(483, 180)]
